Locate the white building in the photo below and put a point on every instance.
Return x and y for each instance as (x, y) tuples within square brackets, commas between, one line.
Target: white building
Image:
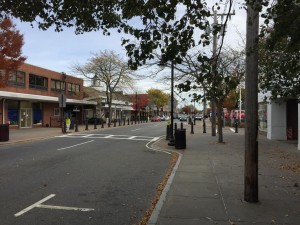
[(279, 119)]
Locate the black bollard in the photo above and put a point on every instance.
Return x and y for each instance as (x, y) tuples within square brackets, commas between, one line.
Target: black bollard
[(95, 123), (76, 126), (167, 132), (181, 126), (115, 121), (86, 124), (192, 128), (236, 126), (102, 123), (204, 126)]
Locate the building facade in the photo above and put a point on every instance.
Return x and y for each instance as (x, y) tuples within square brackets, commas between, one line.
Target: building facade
[(30, 98), (280, 119)]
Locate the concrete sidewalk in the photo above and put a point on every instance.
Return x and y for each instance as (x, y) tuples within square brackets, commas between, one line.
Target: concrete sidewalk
[(208, 187)]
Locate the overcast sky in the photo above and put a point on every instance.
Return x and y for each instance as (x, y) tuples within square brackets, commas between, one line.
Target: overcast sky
[(58, 51)]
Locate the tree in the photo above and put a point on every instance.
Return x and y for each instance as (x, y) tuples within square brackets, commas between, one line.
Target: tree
[(11, 42), (279, 70), (278, 26), (187, 109), (108, 68), (216, 84), (158, 98)]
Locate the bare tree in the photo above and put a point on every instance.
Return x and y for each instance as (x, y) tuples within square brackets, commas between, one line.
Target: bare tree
[(109, 70)]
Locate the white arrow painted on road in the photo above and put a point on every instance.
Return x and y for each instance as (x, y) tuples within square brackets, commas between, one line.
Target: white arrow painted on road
[(39, 205)]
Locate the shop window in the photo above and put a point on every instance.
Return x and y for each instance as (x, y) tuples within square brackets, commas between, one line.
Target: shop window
[(73, 89), (56, 111), (14, 78), (57, 85), (38, 82), (13, 116)]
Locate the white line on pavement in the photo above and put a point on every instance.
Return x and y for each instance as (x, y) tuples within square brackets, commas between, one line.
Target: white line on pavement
[(34, 205), (74, 145), (136, 129), (64, 208), (39, 205)]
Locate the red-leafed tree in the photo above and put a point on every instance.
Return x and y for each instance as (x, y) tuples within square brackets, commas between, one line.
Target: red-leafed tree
[(11, 42), (140, 101)]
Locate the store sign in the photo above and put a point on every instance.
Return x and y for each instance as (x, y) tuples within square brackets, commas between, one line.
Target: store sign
[(62, 100), (75, 109)]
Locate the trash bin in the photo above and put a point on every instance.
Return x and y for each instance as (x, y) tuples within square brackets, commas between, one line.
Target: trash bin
[(4, 132), (180, 139)]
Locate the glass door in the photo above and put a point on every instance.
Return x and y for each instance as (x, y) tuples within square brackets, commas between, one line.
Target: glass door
[(25, 118)]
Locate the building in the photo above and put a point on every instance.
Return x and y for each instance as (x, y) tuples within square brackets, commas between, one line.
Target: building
[(280, 119), (30, 98)]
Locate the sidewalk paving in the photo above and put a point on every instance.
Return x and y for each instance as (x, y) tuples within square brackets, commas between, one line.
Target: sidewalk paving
[(208, 187)]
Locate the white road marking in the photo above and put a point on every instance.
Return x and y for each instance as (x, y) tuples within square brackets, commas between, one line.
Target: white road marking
[(75, 145), (34, 205), (64, 208), (111, 136), (39, 205), (136, 129), (132, 137), (232, 129)]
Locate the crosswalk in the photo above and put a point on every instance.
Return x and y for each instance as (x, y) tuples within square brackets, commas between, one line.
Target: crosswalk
[(110, 136)]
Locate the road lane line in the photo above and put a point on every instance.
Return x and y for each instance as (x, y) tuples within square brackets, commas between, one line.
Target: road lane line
[(74, 145), (132, 137), (64, 208), (136, 129), (109, 136), (34, 205)]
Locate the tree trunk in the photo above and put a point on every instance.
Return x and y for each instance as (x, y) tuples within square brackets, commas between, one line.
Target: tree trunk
[(251, 107), (220, 122), (213, 119)]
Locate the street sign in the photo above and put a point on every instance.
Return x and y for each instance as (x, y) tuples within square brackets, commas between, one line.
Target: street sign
[(62, 100)]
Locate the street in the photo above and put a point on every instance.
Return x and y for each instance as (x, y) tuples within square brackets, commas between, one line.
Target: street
[(100, 177)]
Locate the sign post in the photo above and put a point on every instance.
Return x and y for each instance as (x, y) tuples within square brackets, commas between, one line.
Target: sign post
[(62, 104)]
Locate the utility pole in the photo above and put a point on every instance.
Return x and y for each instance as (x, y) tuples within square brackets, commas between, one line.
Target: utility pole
[(215, 69), (215, 61), (251, 105)]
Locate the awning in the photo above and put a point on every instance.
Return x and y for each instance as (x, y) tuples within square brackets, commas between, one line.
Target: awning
[(31, 97)]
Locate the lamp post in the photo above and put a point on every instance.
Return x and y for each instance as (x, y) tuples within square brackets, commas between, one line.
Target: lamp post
[(171, 138)]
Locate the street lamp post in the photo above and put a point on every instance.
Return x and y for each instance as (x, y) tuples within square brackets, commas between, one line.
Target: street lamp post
[(171, 138)]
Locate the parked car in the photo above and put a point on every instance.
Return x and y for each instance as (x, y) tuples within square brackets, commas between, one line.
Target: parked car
[(183, 117), (198, 117), (162, 118), (155, 119)]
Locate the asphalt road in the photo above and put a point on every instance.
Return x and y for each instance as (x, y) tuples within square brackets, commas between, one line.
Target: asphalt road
[(100, 177)]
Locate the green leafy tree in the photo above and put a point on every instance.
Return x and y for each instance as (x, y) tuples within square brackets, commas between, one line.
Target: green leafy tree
[(158, 98), (279, 70)]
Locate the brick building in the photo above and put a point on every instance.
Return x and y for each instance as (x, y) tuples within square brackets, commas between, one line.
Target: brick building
[(30, 98)]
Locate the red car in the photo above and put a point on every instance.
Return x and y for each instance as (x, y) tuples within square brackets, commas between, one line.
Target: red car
[(155, 119)]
